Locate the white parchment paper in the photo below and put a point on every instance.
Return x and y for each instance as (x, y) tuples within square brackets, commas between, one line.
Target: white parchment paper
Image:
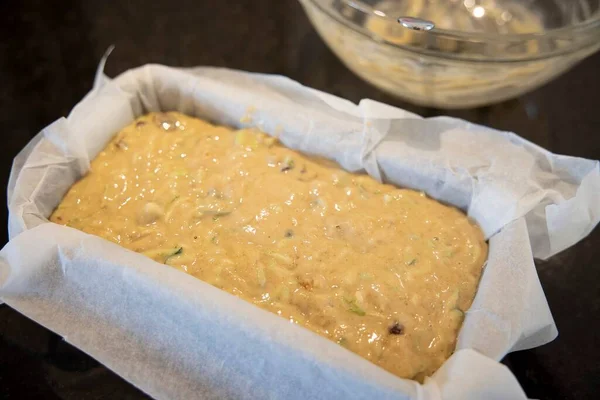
[(176, 337)]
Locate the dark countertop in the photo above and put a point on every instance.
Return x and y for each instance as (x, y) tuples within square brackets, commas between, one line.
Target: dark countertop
[(48, 55)]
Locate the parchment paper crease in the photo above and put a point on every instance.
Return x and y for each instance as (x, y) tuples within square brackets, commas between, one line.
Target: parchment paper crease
[(176, 337)]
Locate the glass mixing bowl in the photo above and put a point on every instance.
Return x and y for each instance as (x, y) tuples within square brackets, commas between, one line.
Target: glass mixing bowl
[(480, 51)]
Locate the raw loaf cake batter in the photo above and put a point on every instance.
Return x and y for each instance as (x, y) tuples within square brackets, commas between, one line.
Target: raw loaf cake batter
[(385, 272)]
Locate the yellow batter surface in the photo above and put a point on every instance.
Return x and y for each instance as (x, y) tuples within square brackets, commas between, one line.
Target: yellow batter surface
[(385, 272)]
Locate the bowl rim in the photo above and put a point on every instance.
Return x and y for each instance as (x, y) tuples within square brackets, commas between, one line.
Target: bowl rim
[(360, 6), (585, 32)]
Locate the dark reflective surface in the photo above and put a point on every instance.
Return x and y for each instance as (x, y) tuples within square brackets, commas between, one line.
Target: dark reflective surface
[(48, 56)]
